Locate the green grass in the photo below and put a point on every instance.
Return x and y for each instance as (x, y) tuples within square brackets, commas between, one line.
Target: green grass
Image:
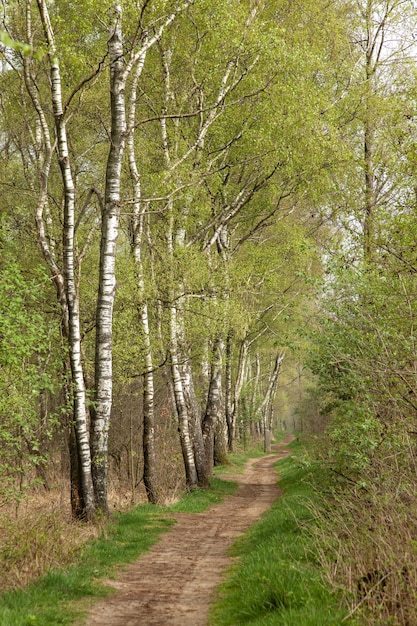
[(200, 499), (238, 460), (60, 597), (277, 580)]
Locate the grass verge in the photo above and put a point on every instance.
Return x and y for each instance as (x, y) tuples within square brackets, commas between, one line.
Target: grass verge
[(277, 580), (237, 461), (60, 597)]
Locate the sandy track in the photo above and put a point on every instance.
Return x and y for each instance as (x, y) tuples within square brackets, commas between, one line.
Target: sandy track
[(172, 584)]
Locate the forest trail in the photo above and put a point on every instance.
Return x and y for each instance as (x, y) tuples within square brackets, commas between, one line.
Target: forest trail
[(172, 584)]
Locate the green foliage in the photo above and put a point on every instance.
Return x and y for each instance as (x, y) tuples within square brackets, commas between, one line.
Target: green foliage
[(364, 360), (25, 346), (7, 41)]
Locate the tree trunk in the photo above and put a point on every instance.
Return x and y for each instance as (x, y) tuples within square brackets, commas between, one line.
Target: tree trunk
[(228, 393), (194, 420), (72, 302), (267, 440), (240, 377), (107, 280), (149, 453), (220, 439), (369, 176), (213, 405), (77, 499), (183, 423), (265, 408)]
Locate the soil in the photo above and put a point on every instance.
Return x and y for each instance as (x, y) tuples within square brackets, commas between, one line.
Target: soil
[(173, 583)]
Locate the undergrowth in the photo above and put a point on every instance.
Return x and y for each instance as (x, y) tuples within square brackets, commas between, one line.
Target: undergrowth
[(278, 579), (366, 535), (36, 542)]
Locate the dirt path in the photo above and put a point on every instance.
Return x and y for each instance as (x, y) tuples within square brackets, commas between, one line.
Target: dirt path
[(172, 584)]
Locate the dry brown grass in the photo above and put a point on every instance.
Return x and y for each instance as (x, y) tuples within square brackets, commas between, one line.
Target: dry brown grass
[(37, 535), (40, 533), (366, 536)]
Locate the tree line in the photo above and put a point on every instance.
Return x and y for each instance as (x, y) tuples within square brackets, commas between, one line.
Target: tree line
[(188, 189), (166, 138)]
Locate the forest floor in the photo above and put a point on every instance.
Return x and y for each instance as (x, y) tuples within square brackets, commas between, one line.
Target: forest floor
[(173, 583)]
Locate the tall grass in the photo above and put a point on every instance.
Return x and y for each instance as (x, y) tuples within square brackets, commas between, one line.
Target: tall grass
[(278, 579), (367, 540), (34, 542)]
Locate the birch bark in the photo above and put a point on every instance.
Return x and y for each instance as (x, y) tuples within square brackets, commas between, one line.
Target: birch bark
[(228, 393), (265, 408), (71, 301), (189, 426), (121, 67), (373, 48), (213, 405), (240, 378), (107, 277), (183, 423), (194, 419), (149, 453)]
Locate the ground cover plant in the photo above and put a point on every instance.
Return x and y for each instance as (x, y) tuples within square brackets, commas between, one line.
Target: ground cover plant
[(278, 579)]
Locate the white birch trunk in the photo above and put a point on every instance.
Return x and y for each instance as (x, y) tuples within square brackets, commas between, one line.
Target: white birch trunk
[(240, 378), (149, 455), (179, 372), (183, 424), (265, 408), (72, 302), (121, 67), (228, 393), (194, 413), (107, 277)]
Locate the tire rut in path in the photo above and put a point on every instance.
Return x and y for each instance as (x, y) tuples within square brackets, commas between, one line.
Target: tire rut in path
[(172, 583)]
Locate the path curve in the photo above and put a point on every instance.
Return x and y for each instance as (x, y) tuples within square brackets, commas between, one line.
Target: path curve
[(172, 583)]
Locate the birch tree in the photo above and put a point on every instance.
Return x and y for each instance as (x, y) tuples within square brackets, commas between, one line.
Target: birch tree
[(123, 64), (200, 151), (383, 47), (209, 186), (176, 158), (65, 279), (213, 410)]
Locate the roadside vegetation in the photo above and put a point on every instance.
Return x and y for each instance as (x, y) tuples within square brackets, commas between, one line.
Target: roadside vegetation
[(278, 578)]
